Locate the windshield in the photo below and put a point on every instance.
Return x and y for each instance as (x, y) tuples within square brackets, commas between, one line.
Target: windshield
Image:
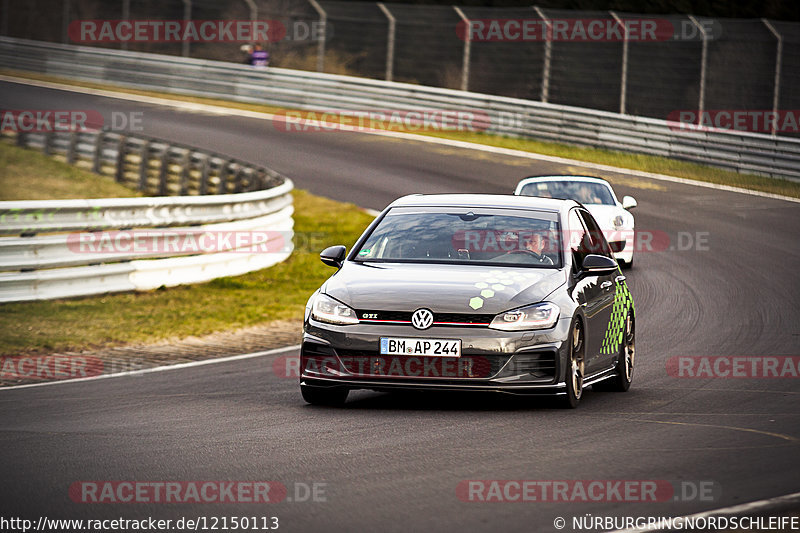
[(587, 193), (465, 235)]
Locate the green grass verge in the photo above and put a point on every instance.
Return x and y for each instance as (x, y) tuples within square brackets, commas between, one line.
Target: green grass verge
[(645, 163), (29, 175)]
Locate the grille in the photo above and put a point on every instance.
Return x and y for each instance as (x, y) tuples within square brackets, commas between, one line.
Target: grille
[(538, 364), (441, 319)]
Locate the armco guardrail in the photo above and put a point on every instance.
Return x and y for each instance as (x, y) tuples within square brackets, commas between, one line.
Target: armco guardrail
[(122, 244), (769, 155)]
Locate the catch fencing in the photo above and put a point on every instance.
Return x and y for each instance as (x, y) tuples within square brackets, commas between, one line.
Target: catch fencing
[(693, 63), (769, 155)]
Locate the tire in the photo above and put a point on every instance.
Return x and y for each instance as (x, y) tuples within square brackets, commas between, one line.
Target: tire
[(576, 365), (626, 265), (623, 373), (328, 396)]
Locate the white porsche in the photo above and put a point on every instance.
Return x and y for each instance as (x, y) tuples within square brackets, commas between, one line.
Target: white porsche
[(613, 216)]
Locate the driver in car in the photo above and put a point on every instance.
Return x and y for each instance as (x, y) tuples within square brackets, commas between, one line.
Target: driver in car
[(535, 244), (531, 249)]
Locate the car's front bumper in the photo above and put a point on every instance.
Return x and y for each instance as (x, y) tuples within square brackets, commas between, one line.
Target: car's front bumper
[(627, 237), (525, 362)]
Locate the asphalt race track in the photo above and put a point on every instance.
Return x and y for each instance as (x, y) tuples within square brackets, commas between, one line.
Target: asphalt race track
[(393, 462)]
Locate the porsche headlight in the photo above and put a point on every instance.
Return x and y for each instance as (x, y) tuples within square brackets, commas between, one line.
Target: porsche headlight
[(326, 309), (539, 316)]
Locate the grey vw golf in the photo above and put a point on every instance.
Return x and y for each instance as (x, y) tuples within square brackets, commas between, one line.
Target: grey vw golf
[(471, 292)]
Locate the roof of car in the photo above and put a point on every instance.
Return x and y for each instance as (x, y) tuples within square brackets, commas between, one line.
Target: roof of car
[(483, 200), (594, 179), (583, 179)]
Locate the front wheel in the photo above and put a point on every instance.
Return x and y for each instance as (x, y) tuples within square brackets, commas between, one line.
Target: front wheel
[(574, 372), (328, 396)]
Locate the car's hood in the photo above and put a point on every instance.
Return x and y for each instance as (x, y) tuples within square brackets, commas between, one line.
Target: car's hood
[(442, 288), (604, 215)]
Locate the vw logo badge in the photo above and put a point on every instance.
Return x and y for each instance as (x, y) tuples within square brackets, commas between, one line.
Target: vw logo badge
[(422, 319)]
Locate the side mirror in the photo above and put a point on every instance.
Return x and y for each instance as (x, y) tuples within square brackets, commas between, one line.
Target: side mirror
[(333, 255), (628, 202), (599, 264)]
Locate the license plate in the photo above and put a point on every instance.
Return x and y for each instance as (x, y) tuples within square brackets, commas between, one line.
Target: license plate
[(421, 347)]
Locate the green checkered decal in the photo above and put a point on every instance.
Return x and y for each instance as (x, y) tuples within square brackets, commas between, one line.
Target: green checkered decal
[(616, 325)]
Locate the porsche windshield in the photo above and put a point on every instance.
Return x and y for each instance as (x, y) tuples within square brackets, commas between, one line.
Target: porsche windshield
[(587, 193), (458, 235)]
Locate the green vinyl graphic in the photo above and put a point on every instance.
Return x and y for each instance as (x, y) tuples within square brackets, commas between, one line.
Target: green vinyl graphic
[(616, 324)]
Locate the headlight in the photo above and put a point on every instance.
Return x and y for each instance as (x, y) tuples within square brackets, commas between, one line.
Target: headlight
[(539, 316), (326, 309)]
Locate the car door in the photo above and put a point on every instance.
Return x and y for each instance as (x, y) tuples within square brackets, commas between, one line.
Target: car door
[(586, 286), (600, 351)]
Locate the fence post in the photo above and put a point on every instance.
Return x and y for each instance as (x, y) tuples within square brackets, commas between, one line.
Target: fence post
[(701, 105), (467, 50), (96, 152), (126, 14), (144, 161), (778, 60), (4, 25), (251, 5), (163, 171), (204, 175), (323, 23), (72, 140), (186, 161), (238, 179), (47, 142), (187, 16), (120, 171), (65, 22), (389, 41), (623, 90), (224, 172), (548, 54)]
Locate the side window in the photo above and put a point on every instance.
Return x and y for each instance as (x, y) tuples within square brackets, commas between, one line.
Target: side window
[(576, 239), (597, 242)]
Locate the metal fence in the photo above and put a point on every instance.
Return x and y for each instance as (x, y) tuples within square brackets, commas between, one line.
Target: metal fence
[(694, 64), (204, 197), (775, 156)]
